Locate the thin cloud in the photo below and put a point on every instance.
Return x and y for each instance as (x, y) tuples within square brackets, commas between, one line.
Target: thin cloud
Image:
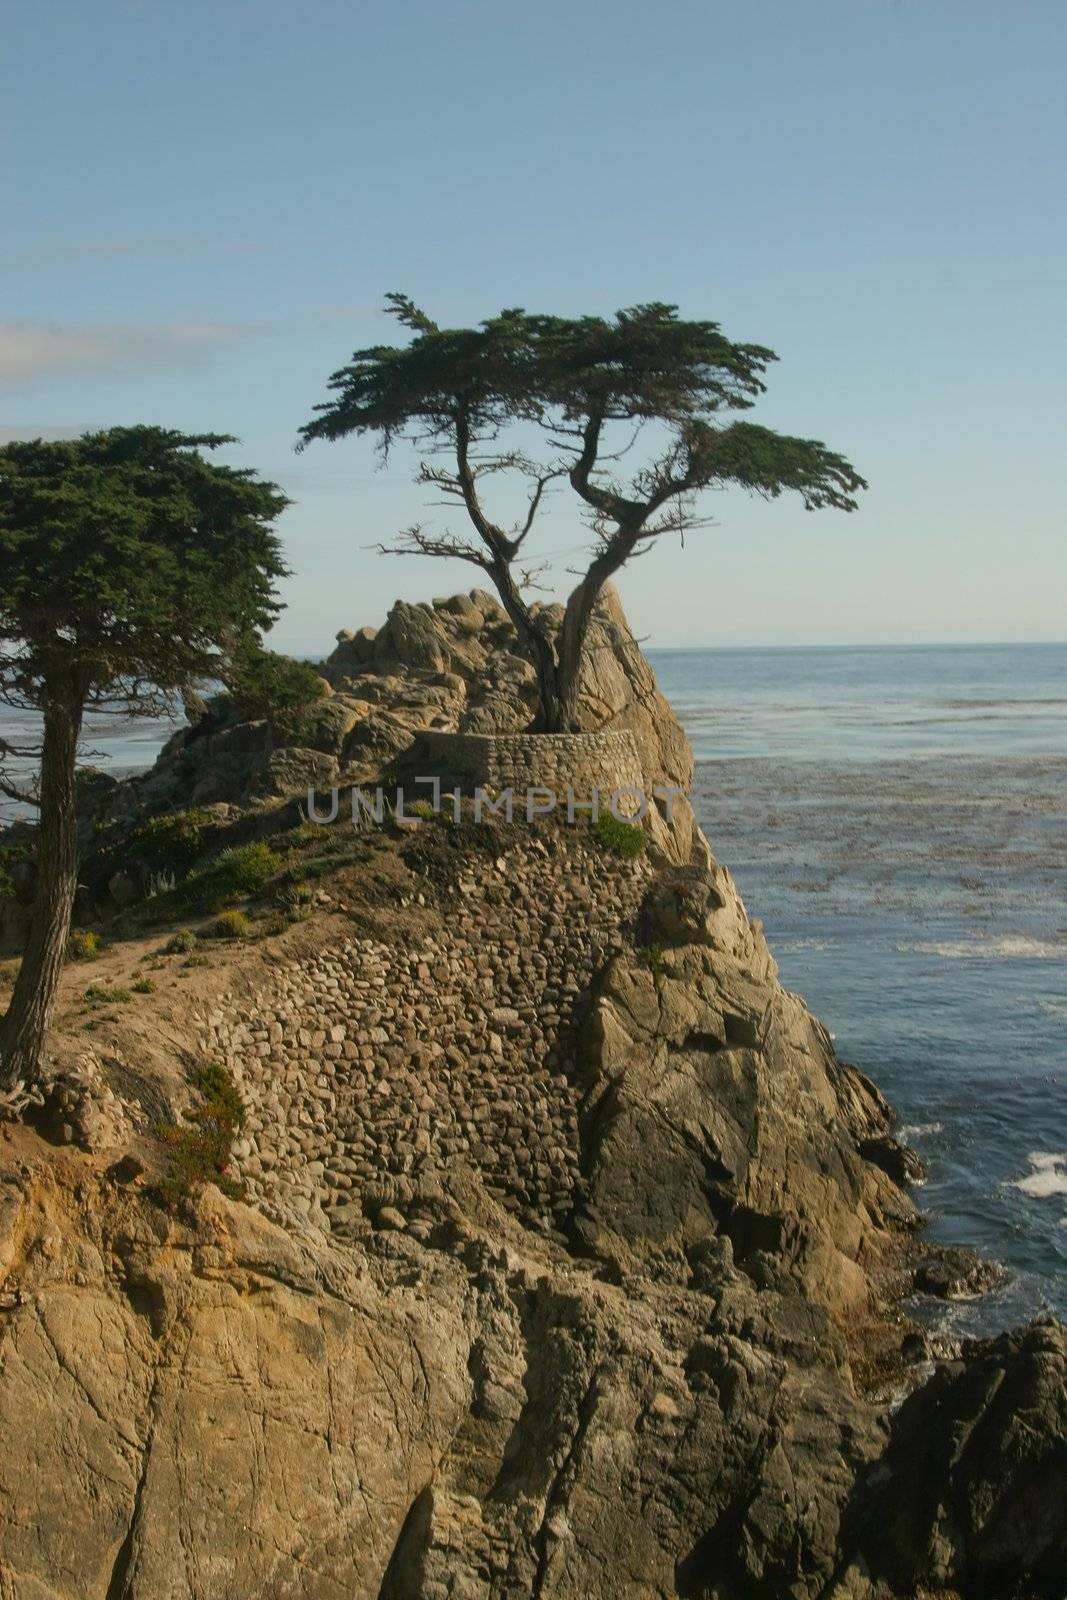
[(33, 350)]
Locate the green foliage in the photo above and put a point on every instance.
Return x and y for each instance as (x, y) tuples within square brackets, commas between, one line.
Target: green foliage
[(199, 1149), (243, 870), (623, 839), (422, 809), (9, 854), (154, 558), (645, 364), (196, 961), (83, 944), (131, 566), (293, 889), (305, 836), (265, 683), (168, 845), (307, 872), (182, 942), (582, 390), (230, 925), (96, 996), (651, 956), (144, 986)]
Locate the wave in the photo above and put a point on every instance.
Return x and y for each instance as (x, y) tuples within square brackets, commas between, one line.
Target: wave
[(804, 944), (1047, 1177), (1009, 947), (992, 705), (920, 1130)]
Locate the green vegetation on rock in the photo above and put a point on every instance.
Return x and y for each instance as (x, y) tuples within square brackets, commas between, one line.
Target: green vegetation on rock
[(244, 869), (265, 683), (623, 839), (199, 1149), (168, 844)]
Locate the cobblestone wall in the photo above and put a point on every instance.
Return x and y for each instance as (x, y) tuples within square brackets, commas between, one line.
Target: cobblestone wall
[(369, 1068), (606, 761)]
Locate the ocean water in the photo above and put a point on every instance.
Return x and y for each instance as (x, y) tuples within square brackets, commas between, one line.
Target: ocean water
[(115, 744), (898, 819)]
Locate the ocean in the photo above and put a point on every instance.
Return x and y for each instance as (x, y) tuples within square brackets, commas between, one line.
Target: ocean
[(898, 819)]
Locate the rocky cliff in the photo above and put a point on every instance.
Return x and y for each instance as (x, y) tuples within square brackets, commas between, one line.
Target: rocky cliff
[(563, 1255)]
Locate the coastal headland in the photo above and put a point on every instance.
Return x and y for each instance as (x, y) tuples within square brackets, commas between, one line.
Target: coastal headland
[(460, 1208)]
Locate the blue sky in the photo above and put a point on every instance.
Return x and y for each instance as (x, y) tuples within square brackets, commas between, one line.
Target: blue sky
[(204, 204)]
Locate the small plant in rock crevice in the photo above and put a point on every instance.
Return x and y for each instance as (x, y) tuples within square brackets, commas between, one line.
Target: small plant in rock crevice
[(624, 839), (199, 1148), (651, 956)]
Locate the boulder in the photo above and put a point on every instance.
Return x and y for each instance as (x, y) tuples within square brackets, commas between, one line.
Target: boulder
[(411, 638), (970, 1494), (293, 771)]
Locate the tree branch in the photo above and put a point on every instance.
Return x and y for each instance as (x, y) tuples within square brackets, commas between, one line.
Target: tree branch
[(444, 546)]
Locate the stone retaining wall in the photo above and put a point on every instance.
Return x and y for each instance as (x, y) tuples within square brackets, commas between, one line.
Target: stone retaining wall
[(369, 1068), (605, 761)]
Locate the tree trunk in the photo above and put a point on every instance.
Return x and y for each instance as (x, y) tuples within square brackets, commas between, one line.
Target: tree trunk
[(571, 646), (548, 715), (24, 1028)]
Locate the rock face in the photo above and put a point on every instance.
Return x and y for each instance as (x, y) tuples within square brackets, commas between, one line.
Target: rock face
[(565, 1243), (971, 1491), (455, 666)]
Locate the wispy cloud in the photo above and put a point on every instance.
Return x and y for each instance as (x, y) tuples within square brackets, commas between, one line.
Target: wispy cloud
[(32, 350)]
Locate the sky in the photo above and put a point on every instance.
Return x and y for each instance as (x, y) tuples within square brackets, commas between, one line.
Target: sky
[(204, 204)]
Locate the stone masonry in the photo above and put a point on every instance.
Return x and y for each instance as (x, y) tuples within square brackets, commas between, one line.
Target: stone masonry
[(371, 1068), (606, 761)]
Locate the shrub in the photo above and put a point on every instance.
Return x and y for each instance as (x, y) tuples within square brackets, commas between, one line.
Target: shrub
[(242, 870), (183, 941), (167, 846), (83, 944), (264, 682), (305, 836), (9, 971), (200, 1147), (421, 808), (9, 854), (230, 925), (624, 839), (144, 986), (196, 961), (293, 890), (96, 996)]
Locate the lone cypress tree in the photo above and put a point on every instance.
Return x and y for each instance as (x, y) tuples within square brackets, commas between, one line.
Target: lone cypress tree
[(579, 383), (130, 567)]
